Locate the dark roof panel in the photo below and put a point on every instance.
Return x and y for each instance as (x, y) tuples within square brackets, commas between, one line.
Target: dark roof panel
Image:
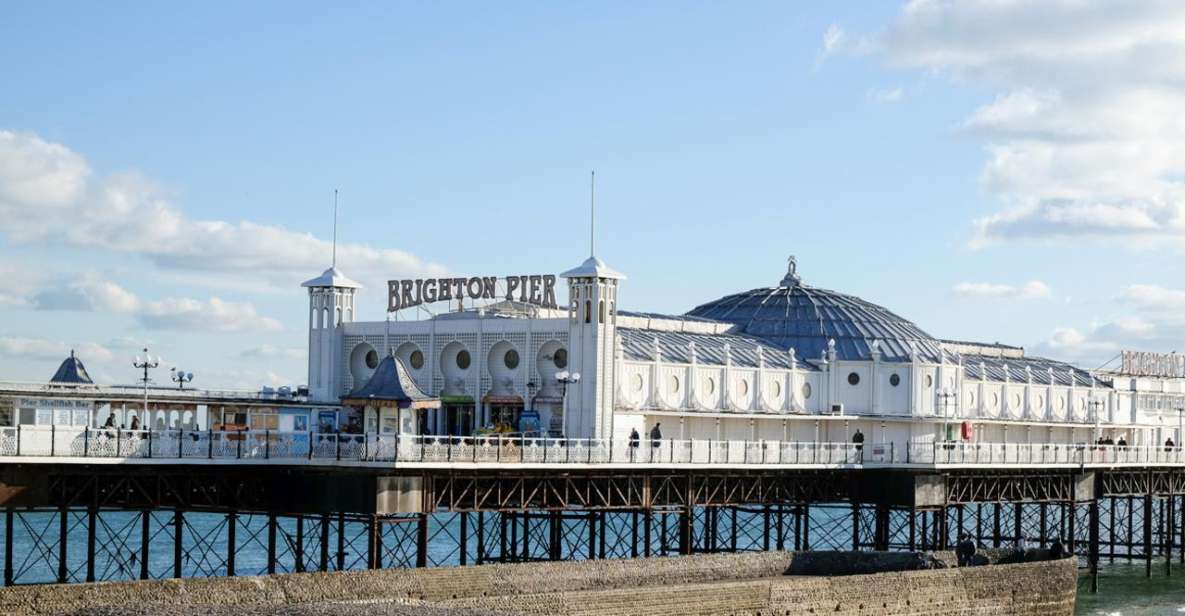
[(72, 372)]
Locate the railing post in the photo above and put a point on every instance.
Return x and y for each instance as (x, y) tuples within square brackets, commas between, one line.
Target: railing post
[(18, 450), (339, 445), (210, 444), (267, 444), (239, 445), (908, 454), (150, 443), (180, 442), (86, 444), (312, 440), (53, 432)]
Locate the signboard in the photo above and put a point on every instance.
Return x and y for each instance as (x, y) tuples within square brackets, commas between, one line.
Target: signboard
[(529, 421), (1137, 363), (530, 289)]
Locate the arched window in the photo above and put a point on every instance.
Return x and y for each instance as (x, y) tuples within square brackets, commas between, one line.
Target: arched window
[(313, 319), (587, 311), (324, 317), (601, 312), (337, 317), (348, 316)]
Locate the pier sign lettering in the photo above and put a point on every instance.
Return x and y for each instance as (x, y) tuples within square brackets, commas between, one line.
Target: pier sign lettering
[(1154, 364), (529, 289)]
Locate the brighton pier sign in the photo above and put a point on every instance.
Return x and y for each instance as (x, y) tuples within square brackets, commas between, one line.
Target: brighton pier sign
[(532, 289), (1153, 364)]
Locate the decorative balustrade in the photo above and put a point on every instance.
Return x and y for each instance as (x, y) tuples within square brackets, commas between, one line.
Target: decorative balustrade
[(48, 443)]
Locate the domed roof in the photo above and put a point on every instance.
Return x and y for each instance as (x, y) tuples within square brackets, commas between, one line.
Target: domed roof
[(72, 372), (802, 317)]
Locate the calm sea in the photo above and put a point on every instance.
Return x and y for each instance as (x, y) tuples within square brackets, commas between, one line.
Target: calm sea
[(1124, 590)]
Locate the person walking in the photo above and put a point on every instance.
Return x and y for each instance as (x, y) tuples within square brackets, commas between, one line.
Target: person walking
[(634, 438), (858, 441), (965, 550), (655, 439)]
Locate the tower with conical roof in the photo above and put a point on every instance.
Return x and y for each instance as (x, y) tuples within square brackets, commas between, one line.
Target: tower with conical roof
[(331, 304)]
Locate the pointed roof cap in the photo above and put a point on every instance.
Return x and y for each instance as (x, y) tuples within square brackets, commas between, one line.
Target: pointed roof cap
[(72, 372), (331, 277), (392, 383), (593, 268)]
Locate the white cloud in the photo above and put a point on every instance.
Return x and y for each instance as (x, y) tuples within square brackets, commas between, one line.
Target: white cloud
[(1084, 138), (885, 96), (1154, 298), (19, 347), (44, 186), (87, 293), (215, 315), (1033, 289), (268, 351)]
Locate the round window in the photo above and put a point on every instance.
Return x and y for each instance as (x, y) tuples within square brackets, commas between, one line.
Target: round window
[(1015, 401), (970, 398), (777, 389), (560, 358), (372, 359), (510, 359), (710, 385), (637, 382), (894, 379), (853, 378), (806, 391), (463, 359), (417, 359), (674, 383), (744, 387), (929, 381)]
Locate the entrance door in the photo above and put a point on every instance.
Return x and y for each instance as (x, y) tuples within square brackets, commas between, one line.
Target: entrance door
[(459, 419), (507, 416)]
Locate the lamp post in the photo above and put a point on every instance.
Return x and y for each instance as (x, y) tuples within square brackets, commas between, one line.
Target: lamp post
[(148, 362), (945, 398), (565, 378), (180, 377), (1095, 405)]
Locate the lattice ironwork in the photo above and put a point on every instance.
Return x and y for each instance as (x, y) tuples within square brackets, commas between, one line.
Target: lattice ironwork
[(398, 542)]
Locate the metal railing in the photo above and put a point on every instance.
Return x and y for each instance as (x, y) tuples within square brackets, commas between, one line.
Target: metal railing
[(318, 448)]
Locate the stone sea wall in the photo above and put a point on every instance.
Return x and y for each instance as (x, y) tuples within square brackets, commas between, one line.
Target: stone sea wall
[(717, 584)]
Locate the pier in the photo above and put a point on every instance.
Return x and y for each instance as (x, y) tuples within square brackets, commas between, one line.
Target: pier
[(102, 504)]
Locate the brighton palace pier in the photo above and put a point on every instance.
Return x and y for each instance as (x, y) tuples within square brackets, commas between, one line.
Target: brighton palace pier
[(486, 421)]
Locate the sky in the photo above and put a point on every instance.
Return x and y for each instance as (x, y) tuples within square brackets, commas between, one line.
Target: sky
[(991, 170)]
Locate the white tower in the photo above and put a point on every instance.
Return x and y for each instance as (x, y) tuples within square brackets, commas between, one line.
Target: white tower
[(592, 334), (331, 304)]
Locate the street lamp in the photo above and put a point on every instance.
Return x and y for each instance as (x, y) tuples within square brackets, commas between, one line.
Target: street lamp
[(181, 377), (945, 398), (148, 362), (1095, 405), (565, 378)]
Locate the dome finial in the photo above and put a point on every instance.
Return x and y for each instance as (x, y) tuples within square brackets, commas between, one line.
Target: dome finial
[(791, 279)]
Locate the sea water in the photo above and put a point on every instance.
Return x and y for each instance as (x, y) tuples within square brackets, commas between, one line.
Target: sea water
[(1124, 590)]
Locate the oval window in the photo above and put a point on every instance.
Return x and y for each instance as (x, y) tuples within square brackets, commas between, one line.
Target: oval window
[(372, 359), (806, 391), (510, 359), (929, 381), (894, 379), (463, 359), (744, 387), (417, 359), (853, 379), (710, 385), (560, 358), (674, 383), (638, 382), (1015, 401), (777, 389)]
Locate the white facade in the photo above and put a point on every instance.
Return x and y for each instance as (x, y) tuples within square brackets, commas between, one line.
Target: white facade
[(709, 379)]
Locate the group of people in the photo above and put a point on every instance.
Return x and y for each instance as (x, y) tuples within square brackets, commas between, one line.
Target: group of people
[(636, 439), (967, 550)]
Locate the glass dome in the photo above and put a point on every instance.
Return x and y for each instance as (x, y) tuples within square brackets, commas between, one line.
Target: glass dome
[(796, 315)]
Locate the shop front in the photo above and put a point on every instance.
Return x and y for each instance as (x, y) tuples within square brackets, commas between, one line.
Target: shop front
[(460, 415), (505, 413)]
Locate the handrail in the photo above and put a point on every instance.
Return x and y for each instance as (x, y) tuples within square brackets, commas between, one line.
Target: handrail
[(319, 448)]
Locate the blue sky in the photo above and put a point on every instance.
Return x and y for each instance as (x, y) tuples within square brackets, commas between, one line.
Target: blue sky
[(166, 173)]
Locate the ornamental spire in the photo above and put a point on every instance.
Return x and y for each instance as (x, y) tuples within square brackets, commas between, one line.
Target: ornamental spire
[(791, 279)]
